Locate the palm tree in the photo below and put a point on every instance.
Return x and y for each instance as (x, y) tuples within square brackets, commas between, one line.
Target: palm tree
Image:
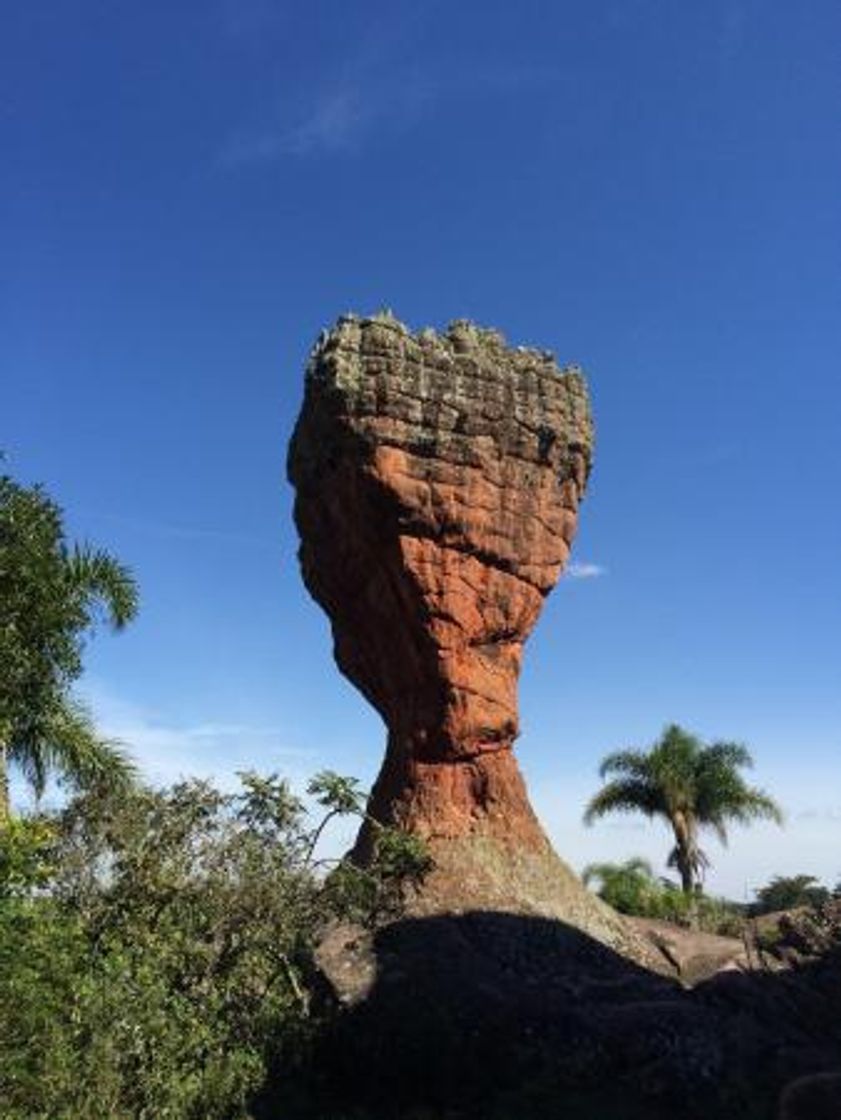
[(688, 784), (65, 743), (101, 583), (51, 596)]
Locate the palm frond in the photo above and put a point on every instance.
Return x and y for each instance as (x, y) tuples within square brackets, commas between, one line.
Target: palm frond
[(66, 742), (728, 755), (755, 804), (630, 762), (624, 795), (722, 794), (96, 574), (673, 762), (719, 827), (698, 859), (85, 758)]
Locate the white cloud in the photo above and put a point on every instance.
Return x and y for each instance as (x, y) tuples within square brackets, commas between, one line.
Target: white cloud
[(168, 530), (166, 751), (584, 571), (378, 86), (332, 125)]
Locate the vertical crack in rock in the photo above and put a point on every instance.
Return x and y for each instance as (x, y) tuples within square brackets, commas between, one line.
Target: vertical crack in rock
[(438, 478)]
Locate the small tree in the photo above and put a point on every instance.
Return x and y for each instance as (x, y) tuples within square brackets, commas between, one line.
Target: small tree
[(689, 785), (785, 892), (51, 595), (156, 948), (628, 887)]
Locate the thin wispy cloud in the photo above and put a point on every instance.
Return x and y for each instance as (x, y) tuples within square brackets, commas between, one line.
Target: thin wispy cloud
[(341, 118), (186, 532), (384, 85), (585, 571), (334, 124), (334, 116), (166, 752)]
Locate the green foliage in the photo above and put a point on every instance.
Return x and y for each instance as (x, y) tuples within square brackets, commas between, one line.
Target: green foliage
[(785, 892), (628, 887), (155, 948), (688, 784), (337, 794), (26, 856), (632, 888), (52, 594), (803, 933), (375, 894)]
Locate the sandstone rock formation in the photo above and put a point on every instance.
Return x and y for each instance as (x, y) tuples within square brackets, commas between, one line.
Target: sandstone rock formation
[(438, 480)]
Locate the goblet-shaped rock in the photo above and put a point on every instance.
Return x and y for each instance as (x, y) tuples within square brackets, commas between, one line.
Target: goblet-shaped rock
[(438, 480)]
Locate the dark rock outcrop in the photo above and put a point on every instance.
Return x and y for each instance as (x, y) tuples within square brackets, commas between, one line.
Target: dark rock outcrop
[(488, 1016), (438, 481)]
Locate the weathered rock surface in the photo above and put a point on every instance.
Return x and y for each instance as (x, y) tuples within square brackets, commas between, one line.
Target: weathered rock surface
[(487, 1016), (438, 481), (694, 954)]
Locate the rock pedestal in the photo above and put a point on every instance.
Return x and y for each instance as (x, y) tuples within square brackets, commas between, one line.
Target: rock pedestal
[(438, 479)]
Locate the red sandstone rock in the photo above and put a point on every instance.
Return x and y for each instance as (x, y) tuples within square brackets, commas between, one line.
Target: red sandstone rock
[(438, 480)]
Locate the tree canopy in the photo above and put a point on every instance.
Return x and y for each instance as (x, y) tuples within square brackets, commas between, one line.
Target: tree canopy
[(785, 892), (690, 785), (157, 947), (52, 594)]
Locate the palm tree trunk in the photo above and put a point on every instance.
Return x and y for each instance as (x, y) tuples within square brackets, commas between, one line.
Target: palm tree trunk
[(5, 803), (684, 843), (687, 879)]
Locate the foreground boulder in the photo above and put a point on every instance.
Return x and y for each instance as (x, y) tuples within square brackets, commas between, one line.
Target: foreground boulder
[(438, 482), (491, 1016)]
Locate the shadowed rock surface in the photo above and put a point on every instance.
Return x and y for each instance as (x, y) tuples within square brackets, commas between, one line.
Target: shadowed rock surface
[(499, 1016), (438, 480)]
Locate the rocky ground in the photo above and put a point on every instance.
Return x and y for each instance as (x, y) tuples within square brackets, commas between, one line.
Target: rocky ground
[(692, 954), (494, 1016)]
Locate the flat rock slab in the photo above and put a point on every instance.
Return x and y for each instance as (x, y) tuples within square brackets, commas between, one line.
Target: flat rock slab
[(694, 954)]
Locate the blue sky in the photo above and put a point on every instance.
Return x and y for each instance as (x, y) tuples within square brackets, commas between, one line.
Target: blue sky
[(190, 191)]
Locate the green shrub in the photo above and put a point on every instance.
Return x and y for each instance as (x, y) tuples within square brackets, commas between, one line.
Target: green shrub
[(628, 887), (786, 892), (632, 888), (155, 959)]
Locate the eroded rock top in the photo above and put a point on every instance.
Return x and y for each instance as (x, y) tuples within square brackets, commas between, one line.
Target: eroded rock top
[(493, 442)]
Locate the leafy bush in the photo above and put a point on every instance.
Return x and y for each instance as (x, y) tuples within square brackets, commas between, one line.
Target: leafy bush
[(786, 892), (155, 950), (628, 887), (632, 888), (814, 932)]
